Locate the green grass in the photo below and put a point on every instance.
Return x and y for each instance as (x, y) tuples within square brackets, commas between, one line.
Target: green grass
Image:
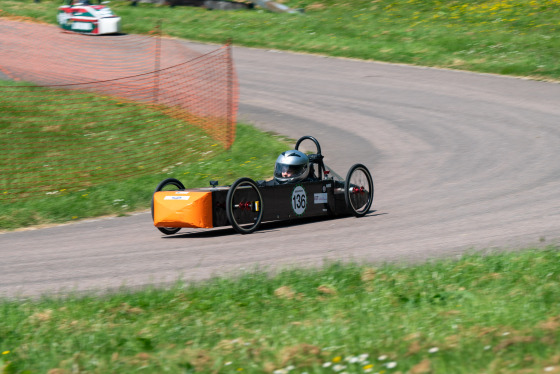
[(495, 314), (515, 37), (66, 139)]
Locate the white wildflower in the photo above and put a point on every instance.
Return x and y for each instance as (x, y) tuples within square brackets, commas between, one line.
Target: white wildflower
[(391, 365)]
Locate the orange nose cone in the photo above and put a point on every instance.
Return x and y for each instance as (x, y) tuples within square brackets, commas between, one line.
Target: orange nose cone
[(183, 209)]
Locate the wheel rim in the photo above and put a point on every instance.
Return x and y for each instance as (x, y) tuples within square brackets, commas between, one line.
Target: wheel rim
[(359, 190), (244, 206)]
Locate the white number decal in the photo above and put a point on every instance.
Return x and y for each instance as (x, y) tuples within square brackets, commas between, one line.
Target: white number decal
[(299, 200)]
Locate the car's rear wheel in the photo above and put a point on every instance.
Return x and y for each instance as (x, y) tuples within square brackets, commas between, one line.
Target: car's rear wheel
[(169, 184), (358, 190), (244, 206)]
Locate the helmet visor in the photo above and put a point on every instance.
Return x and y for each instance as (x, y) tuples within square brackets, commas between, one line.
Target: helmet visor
[(289, 171)]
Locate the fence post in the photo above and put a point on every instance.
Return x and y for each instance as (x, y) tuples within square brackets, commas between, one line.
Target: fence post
[(230, 94), (157, 61)]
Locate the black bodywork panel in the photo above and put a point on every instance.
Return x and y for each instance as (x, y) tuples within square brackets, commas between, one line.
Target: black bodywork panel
[(282, 202)]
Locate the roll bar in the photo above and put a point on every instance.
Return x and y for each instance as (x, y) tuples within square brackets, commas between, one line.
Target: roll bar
[(316, 158)]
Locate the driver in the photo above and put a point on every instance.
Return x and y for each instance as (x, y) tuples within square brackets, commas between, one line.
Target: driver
[(291, 166)]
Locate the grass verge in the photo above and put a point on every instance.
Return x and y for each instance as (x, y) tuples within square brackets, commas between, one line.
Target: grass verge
[(493, 314), (65, 139), (515, 37)]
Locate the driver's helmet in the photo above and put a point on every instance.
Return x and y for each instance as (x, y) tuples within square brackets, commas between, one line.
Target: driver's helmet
[(291, 166)]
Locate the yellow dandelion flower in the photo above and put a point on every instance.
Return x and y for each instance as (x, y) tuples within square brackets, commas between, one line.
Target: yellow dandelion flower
[(6, 352), (337, 359)]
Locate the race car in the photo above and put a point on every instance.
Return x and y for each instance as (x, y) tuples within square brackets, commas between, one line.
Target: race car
[(302, 187), (83, 17)]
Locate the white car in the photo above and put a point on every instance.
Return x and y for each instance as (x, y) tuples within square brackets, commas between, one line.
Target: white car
[(83, 17)]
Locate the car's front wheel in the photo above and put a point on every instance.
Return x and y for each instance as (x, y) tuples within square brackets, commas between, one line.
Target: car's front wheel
[(358, 190)]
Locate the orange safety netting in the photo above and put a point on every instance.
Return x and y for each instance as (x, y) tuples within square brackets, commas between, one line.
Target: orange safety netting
[(106, 107)]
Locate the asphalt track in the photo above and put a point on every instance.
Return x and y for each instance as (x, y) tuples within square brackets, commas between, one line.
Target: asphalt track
[(461, 162)]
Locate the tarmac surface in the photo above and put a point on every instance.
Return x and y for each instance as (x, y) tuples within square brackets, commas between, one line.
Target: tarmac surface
[(461, 162)]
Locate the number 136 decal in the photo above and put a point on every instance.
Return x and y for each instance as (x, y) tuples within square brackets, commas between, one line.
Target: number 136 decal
[(299, 200)]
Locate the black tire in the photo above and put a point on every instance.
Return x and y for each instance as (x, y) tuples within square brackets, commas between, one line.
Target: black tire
[(244, 206), (169, 184), (358, 190)]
